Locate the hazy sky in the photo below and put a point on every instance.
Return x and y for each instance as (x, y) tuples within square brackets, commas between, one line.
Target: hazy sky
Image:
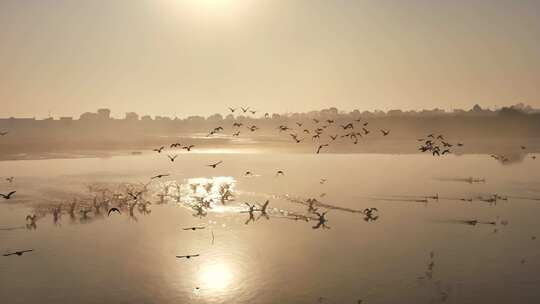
[(184, 57)]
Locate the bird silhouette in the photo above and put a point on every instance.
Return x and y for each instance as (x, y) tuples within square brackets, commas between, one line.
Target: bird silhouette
[(7, 196), (159, 149), (176, 145), (320, 147), (18, 253), (321, 220), (172, 158), (189, 256), (236, 133), (188, 148), (194, 228), (385, 132), (10, 179), (232, 109), (113, 210), (347, 126), (280, 172), (215, 165), (237, 124), (160, 176), (244, 109), (333, 137)]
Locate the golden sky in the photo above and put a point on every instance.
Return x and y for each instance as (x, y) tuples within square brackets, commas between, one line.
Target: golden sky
[(186, 57)]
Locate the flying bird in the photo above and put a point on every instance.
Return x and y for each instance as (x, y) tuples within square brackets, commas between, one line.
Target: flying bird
[(215, 165), (10, 179), (244, 109), (188, 148), (232, 110), (189, 256), (7, 196), (19, 253), (172, 158), (194, 228), (159, 149), (280, 172), (320, 147), (385, 132), (175, 145), (113, 210), (160, 176)]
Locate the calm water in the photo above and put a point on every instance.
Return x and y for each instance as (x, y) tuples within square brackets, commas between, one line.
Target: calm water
[(414, 252)]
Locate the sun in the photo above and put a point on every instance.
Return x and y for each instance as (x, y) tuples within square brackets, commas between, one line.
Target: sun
[(211, 8)]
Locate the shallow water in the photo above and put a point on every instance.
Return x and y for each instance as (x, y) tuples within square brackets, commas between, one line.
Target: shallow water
[(414, 252)]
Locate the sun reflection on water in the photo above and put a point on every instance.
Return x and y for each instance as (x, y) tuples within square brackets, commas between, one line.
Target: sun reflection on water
[(211, 193), (215, 277)]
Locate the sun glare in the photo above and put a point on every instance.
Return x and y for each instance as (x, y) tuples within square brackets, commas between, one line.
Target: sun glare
[(216, 276), (211, 8)]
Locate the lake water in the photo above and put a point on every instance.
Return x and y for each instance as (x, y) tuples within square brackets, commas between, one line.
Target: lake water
[(409, 251)]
